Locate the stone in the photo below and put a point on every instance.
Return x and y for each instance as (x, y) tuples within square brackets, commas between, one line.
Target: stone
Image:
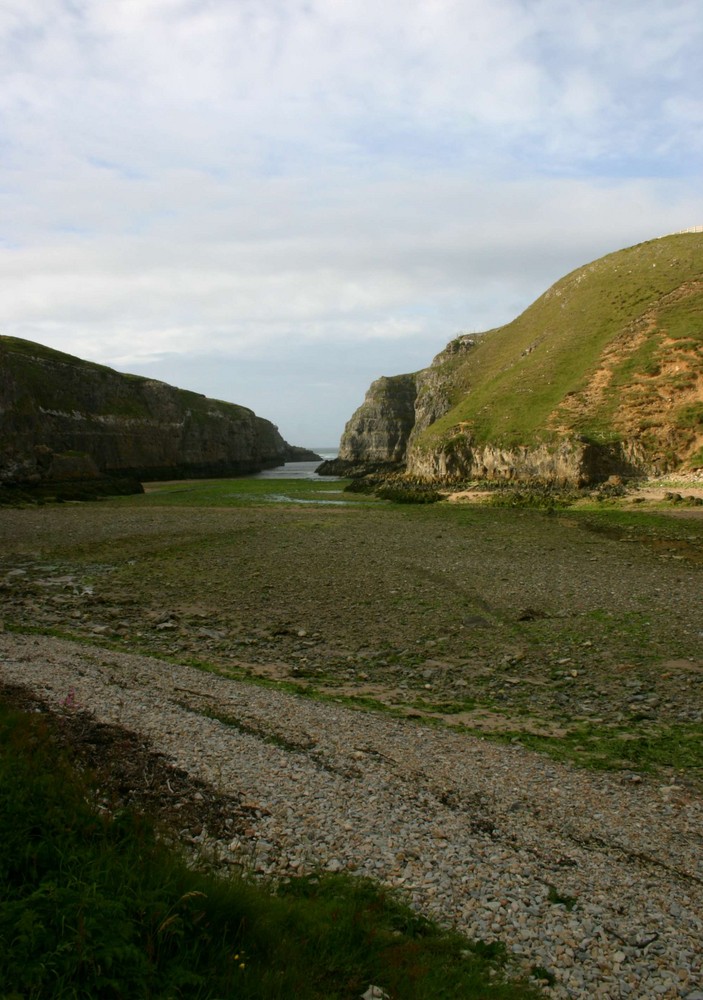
[(378, 431), (210, 633)]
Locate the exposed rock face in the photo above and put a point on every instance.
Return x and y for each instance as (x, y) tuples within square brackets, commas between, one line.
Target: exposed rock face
[(294, 453), (434, 388), (568, 462), (395, 411), (602, 375), (62, 418), (378, 431)]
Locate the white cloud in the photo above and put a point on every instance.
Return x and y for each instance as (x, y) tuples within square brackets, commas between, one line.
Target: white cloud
[(184, 179)]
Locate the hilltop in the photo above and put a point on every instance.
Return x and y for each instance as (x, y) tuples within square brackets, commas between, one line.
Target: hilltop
[(65, 419), (603, 374)]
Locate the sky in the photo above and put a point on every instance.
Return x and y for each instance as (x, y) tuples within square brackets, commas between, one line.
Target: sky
[(274, 202)]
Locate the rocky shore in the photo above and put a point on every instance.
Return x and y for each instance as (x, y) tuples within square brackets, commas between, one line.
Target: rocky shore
[(593, 880), (499, 620), (578, 632)]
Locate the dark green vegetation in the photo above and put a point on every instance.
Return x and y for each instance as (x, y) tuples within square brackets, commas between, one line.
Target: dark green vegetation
[(92, 904), (594, 356), (575, 630), (404, 493), (20, 495)]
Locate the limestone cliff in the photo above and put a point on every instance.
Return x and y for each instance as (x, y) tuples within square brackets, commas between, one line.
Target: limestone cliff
[(602, 375), (377, 433), (64, 418)]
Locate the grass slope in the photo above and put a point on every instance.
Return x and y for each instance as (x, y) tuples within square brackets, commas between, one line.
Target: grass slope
[(628, 311), (62, 382)]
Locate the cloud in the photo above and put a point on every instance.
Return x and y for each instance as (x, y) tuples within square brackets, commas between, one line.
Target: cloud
[(243, 78), (210, 186)]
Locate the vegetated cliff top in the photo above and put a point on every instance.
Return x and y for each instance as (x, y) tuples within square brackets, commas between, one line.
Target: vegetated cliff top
[(612, 351), (54, 406), (48, 374)]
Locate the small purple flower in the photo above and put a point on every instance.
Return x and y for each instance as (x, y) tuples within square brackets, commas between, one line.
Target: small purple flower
[(70, 700)]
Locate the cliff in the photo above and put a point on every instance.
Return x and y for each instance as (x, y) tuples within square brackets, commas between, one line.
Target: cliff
[(375, 439), (62, 419), (602, 375)]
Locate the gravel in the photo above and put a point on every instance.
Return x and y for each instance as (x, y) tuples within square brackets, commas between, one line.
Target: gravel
[(597, 878)]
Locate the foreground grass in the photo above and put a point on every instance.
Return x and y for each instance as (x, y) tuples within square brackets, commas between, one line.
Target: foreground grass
[(93, 905), (642, 526)]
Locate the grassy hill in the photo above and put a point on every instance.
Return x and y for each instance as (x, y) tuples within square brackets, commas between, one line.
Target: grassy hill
[(613, 352)]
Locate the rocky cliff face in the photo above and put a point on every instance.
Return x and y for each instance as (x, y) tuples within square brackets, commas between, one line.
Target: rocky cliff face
[(63, 418), (377, 433), (602, 375), (434, 385), (394, 413), (570, 461)]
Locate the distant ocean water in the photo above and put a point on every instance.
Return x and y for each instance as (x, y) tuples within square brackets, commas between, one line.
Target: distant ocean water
[(299, 470)]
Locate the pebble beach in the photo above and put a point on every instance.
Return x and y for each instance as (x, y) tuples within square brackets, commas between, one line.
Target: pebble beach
[(594, 879)]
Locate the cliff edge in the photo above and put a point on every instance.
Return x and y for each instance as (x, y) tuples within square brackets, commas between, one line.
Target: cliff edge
[(62, 419)]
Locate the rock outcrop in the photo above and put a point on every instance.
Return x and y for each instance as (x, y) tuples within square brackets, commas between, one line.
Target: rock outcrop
[(571, 461), (376, 436), (601, 376), (62, 419)]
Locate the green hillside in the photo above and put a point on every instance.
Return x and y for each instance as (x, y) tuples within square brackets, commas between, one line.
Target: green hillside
[(60, 380), (613, 349)]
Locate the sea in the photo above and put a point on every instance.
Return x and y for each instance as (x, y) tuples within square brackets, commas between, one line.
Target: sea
[(300, 470)]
